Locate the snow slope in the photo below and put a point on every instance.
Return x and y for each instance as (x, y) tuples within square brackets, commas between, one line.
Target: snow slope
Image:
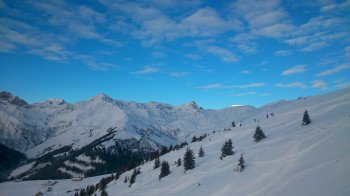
[(292, 160)]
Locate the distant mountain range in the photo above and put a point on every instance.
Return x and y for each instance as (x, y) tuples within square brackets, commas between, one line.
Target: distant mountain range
[(39, 128)]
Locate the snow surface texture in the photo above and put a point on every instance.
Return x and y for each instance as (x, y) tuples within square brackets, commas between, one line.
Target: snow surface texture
[(292, 160)]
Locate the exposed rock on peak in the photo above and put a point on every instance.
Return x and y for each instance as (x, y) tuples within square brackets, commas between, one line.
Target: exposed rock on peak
[(7, 96)]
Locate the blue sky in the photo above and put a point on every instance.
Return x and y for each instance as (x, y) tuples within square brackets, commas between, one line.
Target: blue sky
[(217, 54)]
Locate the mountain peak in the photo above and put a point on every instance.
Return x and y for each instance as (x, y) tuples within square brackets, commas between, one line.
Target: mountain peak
[(7, 96), (56, 101), (102, 97), (192, 105)]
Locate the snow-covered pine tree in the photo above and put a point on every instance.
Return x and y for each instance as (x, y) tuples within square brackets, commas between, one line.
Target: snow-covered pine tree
[(164, 150), (116, 176), (138, 171), (229, 148), (156, 163), (179, 162), (90, 190), (259, 134), (223, 150), (240, 165), (226, 149), (233, 124), (164, 169), (103, 184), (194, 139), (133, 177), (306, 118), (189, 160), (201, 152), (104, 193), (126, 179)]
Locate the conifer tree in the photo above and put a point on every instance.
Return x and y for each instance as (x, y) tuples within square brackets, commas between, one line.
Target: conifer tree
[(82, 192), (201, 152), (259, 134), (133, 177), (156, 163), (126, 179), (229, 147), (179, 162), (104, 193), (90, 190), (103, 184), (223, 150), (164, 150), (164, 170), (233, 124), (240, 165), (306, 118), (116, 176), (189, 160), (194, 139), (226, 149)]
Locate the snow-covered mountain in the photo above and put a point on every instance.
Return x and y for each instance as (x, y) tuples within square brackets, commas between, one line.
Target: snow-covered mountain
[(40, 128), (292, 160)]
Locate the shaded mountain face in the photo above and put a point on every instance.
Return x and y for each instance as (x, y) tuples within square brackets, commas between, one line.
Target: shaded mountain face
[(9, 159)]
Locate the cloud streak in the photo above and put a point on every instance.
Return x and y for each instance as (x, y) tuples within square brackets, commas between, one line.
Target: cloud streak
[(221, 86), (146, 70), (319, 84), (244, 94), (290, 85), (294, 70), (336, 69)]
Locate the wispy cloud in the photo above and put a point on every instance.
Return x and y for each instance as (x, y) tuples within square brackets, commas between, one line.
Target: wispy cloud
[(343, 85), (224, 54), (317, 33), (319, 84), (193, 56), (146, 70), (245, 42), (94, 63), (283, 53), (221, 86), (264, 18), (251, 85), (245, 72), (244, 94), (158, 54), (152, 26), (28, 37), (294, 70), (347, 51), (330, 6), (336, 69), (179, 74), (315, 46), (291, 85)]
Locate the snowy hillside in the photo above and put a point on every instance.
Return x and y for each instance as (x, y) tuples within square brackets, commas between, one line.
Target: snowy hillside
[(291, 160)]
